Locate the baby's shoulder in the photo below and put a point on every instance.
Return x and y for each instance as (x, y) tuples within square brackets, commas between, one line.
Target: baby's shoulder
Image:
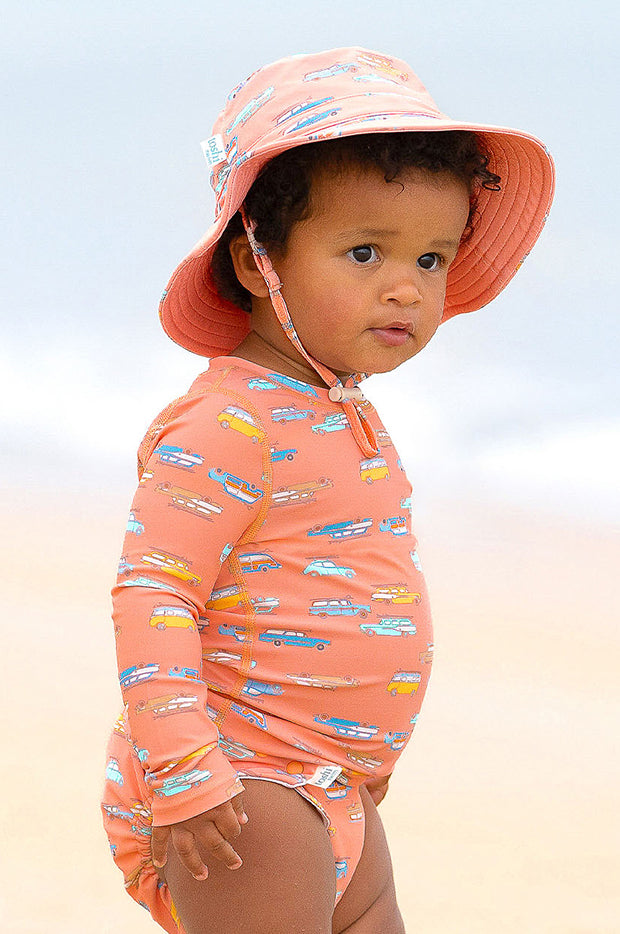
[(217, 400)]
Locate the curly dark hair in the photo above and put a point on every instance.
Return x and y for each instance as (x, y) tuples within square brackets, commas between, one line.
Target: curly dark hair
[(280, 195)]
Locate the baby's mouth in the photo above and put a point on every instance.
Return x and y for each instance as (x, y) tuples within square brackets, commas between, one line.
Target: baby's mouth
[(394, 335)]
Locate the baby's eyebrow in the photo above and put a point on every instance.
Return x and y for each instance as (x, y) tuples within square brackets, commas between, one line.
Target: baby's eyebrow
[(365, 232)]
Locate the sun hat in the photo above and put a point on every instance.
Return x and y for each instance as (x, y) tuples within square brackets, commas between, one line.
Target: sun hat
[(345, 92)]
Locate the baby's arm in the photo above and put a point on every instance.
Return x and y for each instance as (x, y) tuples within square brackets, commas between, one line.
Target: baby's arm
[(377, 788), (183, 522)]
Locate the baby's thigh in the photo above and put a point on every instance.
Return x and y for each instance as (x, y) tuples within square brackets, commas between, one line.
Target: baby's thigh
[(287, 882), (369, 905)]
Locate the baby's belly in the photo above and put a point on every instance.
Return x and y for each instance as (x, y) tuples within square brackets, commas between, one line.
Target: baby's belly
[(340, 683)]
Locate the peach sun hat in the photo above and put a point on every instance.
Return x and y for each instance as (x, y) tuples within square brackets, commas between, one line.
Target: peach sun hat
[(345, 92)]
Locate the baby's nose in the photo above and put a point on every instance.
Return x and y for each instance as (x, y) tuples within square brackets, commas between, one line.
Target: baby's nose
[(403, 289)]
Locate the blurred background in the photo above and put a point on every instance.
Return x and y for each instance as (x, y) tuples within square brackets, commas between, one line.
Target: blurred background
[(502, 816)]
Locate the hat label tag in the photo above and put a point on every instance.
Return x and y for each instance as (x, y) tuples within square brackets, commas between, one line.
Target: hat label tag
[(213, 149)]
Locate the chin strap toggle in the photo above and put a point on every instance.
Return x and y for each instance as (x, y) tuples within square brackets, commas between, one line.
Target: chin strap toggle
[(344, 393)]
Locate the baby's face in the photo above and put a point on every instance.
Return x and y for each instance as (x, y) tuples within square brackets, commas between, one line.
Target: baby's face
[(364, 276)]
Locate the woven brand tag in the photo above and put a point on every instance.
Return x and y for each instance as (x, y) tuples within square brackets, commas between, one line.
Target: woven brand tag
[(325, 775), (213, 149)]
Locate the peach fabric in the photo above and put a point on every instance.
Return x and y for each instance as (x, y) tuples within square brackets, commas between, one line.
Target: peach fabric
[(271, 615), (342, 92)]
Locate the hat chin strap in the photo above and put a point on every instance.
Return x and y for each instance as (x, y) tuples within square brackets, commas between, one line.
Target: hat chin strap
[(348, 394)]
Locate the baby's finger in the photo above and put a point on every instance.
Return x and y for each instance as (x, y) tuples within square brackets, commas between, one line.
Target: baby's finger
[(239, 809), (185, 845), (159, 845), (212, 840), (227, 821)]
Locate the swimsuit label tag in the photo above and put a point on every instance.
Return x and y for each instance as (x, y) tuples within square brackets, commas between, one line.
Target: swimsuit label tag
[(325, 775), (213, 149)]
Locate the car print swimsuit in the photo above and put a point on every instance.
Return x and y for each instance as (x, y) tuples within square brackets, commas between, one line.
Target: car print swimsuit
[(265, 554)]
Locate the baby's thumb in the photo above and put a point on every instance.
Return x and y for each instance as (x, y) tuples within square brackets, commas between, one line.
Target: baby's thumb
[(238, 808)]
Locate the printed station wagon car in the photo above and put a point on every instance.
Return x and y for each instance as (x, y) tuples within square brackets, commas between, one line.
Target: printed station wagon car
[(390, 626), (404, 682), (337, 530), (397, 740), (172, 786), (300, 491), (175, 763), (235, 486), (224, 598), (335, 607), (168, 704), (366, 762), (292, 637), (255, 688), (290, 413), (259, 383), (177, 457), (232, 659), (396, 593), (327, 682), (255, 717), (299, 109), (264, 604), (258, 561), (304, 388), (189, 501), (288, 453), (135, 674), (147, 582), (397, 525), (238, 632), (348, 727), (234, 749), (191, 674), (172, 565), (336, 422)]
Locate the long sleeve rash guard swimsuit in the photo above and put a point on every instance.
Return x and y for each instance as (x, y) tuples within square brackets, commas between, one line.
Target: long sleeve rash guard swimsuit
[(271, 616)]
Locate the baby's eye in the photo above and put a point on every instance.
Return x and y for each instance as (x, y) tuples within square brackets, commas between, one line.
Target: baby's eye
[(363, 254), (429, 261)]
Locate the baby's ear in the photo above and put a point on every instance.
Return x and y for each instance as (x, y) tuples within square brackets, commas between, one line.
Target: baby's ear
[(246, 270)]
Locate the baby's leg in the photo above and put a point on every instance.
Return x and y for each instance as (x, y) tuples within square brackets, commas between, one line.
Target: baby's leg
[(368, 905), (287, 882)]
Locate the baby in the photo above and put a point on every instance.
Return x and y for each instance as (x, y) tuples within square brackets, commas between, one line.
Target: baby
[(273, 628)]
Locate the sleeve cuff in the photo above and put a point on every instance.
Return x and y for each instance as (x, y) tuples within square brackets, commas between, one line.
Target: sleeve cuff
[(211, 781)]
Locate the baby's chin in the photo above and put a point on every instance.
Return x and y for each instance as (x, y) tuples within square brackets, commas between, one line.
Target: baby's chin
[(377, 363)]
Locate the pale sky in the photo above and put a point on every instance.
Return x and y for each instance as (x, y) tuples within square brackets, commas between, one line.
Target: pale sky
[(107, 191)]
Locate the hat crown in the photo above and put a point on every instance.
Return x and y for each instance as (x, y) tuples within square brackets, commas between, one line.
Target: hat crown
[(316, 96)]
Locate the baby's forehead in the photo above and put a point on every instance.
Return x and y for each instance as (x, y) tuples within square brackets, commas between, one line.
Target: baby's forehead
[(351, 191)]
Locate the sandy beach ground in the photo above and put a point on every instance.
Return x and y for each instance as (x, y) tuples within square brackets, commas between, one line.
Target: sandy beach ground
[(504, 813)]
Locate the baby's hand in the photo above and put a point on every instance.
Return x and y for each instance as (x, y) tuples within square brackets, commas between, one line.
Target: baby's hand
[(211, 830), (378, 788)]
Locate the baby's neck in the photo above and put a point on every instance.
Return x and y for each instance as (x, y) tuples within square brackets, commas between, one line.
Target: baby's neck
[(257, 349)]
